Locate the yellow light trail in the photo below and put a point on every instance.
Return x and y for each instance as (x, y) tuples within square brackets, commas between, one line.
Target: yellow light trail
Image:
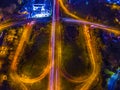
[(5, 25), (51, 84), (24, 38), (67, 11), (88, 80), (93, 25), (54, 77), (91, 50), (87, 22), (15, 77), (58, 49), (94, 58), (58, 57)]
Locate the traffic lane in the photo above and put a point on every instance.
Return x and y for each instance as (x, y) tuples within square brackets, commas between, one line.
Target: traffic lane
[(94, 25)]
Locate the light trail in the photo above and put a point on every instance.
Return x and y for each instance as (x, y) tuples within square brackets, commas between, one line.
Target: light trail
[(94, 58), (58, 57), (95, 66), (88, 79), (80, 79), (9, 24), (83, 21), (15, 78), (52, 49), (54, 79), (67, 11), (13, 73), (24, 38), (58, 49), (91, 50), (5, 25), (54, 63), (94, 25)]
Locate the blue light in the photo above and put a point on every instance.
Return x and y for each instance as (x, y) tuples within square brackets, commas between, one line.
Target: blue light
[(114, 1), (38, 10), (112, 82), (35, 8), (113, 79)]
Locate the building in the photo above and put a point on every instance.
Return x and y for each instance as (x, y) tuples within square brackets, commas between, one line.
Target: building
[(38, 8)]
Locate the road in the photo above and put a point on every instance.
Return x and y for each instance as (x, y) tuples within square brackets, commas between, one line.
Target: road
[(94, 58), (24, 39), (52, 49), (22, 21), (55, 49), (54, 78), (91, 50), (93, 25)]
